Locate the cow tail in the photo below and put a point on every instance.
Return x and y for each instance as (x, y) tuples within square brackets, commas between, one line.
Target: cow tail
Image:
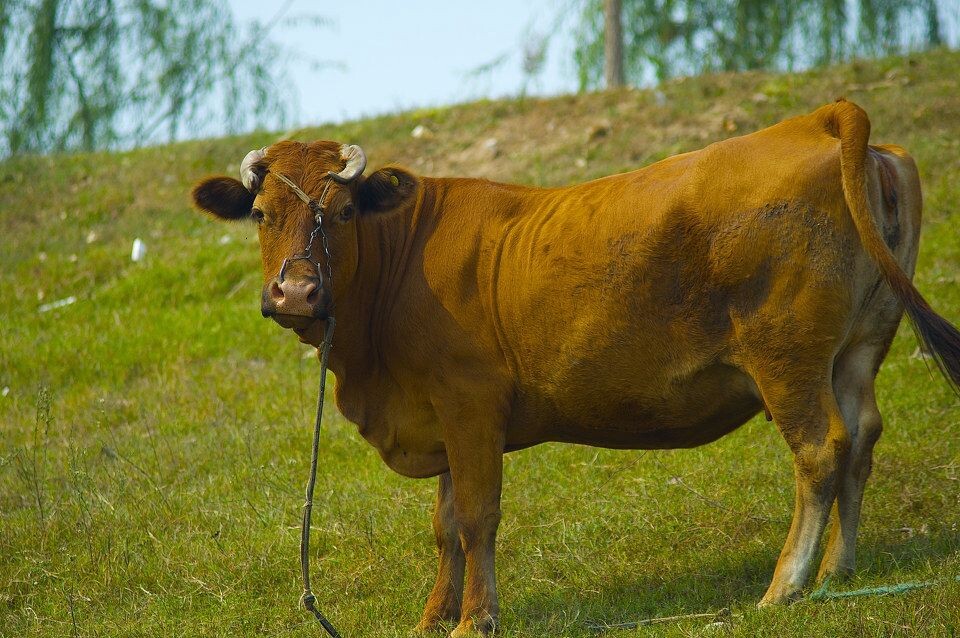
[(939, 337)]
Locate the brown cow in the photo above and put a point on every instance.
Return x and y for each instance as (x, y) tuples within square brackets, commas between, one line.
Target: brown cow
[(661, 308)]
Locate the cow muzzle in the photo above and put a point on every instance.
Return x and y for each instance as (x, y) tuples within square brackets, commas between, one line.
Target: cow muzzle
[(295, 302)]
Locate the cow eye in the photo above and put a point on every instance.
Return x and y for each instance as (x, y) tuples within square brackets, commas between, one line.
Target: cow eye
[(347, 213), (257, 215)]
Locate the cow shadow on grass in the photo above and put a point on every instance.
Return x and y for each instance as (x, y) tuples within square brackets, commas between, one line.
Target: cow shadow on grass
[(717, 583), (880, 557), (647, 593)]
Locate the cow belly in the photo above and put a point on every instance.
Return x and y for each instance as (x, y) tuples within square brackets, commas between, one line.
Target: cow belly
[(709, 404), (643, 429)]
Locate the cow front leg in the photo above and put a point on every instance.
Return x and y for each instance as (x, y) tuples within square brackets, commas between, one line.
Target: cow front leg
[(476, 469), (444, 601)]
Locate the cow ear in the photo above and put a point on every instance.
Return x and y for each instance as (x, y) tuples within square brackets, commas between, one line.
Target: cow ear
[(223, 197), (385, 190)]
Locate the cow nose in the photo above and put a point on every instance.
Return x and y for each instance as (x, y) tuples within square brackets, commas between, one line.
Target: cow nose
[(295, 296)]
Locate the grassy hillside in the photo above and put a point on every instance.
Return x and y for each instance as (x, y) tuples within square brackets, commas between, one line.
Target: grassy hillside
[(154, 434)]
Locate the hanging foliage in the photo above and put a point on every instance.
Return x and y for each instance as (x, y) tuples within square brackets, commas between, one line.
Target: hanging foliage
[(87, 74), (668, 38)]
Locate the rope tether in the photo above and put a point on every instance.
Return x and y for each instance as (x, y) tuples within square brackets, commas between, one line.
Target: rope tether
[(308, 599)]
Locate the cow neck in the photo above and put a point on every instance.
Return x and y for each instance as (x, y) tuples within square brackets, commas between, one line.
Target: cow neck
[(366, 316)]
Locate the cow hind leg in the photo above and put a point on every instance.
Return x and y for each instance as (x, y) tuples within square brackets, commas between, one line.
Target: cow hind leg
[(853, 385), (811, 422), (447, 594)]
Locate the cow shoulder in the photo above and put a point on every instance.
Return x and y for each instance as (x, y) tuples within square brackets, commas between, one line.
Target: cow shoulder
[(386, 189)]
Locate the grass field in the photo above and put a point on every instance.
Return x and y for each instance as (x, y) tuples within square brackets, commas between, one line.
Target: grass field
[(154, 434)]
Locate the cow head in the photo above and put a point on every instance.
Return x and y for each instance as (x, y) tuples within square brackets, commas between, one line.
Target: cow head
[(329, 173)]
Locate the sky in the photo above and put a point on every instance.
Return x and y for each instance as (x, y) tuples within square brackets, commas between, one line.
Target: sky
[(373, 57), (376, 57)]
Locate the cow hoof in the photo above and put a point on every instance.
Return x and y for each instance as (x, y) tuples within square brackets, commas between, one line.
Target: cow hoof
[(435, 617), (783, 595), (834, 573), (429, 626), (473, 627), (423, 628)]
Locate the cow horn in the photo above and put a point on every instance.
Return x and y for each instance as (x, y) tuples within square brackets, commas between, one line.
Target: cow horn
[(250, 178), (356, 162)]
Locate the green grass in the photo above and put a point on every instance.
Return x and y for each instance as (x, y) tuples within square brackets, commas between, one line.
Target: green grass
[(154, 439)]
